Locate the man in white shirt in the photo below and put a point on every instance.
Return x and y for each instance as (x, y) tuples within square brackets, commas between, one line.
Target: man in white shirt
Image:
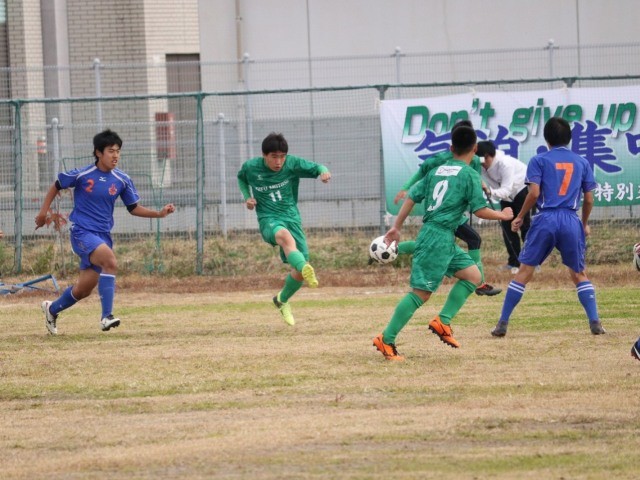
[(504, 176)]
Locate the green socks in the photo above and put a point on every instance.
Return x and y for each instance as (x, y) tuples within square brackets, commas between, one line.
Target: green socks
[(456, 299), (296, 260), (291, 286), (403, 313)]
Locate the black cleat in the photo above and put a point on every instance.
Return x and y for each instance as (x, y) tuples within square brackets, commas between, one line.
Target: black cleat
[(488, 290)]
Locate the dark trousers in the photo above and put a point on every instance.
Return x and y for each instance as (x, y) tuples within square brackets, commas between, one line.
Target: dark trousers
[(512, 239)]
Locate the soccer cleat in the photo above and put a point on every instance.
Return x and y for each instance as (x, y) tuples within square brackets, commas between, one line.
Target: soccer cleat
[(309, 275), (109, 322), (635, 350), (285, 310), (596, 328), (500, 329), (488, 290), (49, 318), (444, 332), (387, 349)]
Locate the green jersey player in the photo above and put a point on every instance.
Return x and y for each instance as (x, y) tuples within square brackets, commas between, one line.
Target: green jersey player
[(447, 192), (270, 185), (464, 231)]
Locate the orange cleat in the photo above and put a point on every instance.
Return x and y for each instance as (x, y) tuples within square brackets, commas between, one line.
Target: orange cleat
[(387, 349), (444, 332)]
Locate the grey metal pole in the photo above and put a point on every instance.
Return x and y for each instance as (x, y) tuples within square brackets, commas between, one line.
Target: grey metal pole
[(96, 68), (55, 135), (383, 200), (398, 55), (551, 47), (223, 175), (248, 106), (200, 184)]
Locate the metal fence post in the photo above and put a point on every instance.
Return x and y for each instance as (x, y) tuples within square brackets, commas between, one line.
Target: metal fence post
[(398, 56), (248, 113), (383, 200), (55, 136), (551, 46), (223, 174), (200, 171), (17, 195), (96, 68)]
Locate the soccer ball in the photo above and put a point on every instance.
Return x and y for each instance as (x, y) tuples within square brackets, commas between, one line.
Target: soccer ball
[(636, 256), (381, 252)]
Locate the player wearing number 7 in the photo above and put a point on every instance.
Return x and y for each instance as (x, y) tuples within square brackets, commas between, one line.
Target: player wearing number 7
[(447, 192), (274, 179), (557, 179)]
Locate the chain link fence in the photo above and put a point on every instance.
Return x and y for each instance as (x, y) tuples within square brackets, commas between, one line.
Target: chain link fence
[(187, 148)]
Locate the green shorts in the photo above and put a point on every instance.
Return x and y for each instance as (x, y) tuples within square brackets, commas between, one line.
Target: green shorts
[(435, 257), (270, 226)]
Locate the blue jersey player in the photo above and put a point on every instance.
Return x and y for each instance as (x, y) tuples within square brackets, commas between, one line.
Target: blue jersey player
[(95, 191), (557, 180)]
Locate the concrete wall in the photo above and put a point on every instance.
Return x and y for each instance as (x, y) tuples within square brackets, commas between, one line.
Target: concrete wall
[(276, 29)]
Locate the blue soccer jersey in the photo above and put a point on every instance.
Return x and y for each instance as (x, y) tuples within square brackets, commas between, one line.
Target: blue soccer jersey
[(563, 176), (94, 196)]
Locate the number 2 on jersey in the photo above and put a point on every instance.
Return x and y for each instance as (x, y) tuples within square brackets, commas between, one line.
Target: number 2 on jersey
[(566, 180), (438, 194), (275, 196)]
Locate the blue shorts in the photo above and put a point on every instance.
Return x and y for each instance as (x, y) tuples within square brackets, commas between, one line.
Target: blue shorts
[(558, 228), (84, 243)]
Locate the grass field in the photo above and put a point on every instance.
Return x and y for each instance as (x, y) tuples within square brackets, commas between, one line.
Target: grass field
[(212, 384)]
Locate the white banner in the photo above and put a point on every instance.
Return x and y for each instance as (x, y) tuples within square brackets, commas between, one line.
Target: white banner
[(603, 120)]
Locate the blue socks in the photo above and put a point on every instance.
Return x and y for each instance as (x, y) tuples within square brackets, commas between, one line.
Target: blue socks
[(515, 291), (63, 302), (107, 290), (587, 297)]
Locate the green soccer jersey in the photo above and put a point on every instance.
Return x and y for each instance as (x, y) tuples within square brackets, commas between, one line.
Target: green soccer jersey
[(276, 193), (434, 162), (448, 191)]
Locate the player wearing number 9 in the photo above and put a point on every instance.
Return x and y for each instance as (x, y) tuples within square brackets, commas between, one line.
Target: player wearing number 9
[(557, 180), (447, 191), (269, 184)]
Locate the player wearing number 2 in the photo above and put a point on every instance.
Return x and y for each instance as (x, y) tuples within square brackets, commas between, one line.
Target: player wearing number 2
[(95, 191), (557, 179), (270, 185), (447, 192)]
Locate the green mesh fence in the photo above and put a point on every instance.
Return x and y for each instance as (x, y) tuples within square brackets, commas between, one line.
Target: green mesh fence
[(186, 149)]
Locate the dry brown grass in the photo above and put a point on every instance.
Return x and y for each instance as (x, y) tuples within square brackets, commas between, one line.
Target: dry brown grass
[(203, 382)]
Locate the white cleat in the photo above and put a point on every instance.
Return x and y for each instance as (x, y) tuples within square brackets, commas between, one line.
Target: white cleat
[(49, 318), (109, 322)]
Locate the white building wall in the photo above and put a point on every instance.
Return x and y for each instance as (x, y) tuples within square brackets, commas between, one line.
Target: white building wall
[(276, 29)]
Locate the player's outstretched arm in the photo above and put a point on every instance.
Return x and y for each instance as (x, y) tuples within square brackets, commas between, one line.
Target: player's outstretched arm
[(144, 212), (487, 213), (41, 218), (393, 235)]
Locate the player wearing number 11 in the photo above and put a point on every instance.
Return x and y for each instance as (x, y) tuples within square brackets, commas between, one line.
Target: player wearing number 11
[(270, 185)]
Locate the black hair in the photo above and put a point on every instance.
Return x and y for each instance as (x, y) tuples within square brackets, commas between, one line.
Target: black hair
[(463, 139), (486, 147), (105, 139), (557, 132), (274, 142), (462, 123)]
